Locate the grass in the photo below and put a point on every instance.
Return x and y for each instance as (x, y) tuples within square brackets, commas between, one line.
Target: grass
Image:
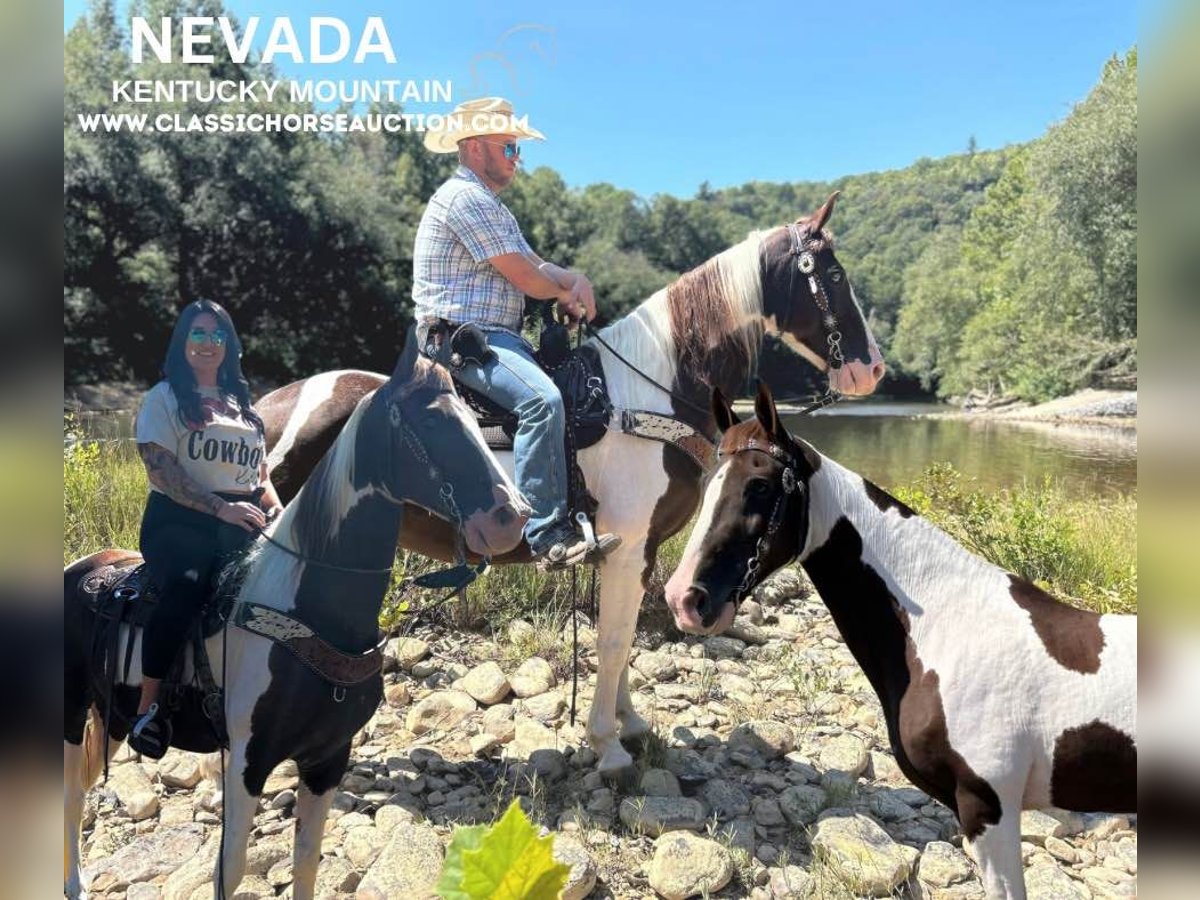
[(1081, 549), (104, 493)]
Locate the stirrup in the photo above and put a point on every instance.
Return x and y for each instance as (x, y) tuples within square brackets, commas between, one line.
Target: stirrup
[(151, 736)]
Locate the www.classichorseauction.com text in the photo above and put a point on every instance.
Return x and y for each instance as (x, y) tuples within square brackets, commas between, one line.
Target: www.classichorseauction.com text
[(328, 40)]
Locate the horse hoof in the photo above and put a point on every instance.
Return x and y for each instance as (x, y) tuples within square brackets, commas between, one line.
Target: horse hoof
[(623, 779)]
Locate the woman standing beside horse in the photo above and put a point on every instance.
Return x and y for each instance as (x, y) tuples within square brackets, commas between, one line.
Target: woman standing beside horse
[(205, 456)]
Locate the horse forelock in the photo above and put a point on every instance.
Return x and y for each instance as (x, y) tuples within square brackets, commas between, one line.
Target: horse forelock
[(717, 308), (426, 376)]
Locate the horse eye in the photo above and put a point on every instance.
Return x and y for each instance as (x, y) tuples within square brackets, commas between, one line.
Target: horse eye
[(758, 487), (835, 275)]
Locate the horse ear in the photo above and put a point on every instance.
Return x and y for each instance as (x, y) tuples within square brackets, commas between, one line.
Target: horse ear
[(764, 408), (722, 411), (818, 219)]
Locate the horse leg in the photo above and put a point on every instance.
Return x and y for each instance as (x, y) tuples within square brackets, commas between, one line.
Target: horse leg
[(317, 789), (73, 793), (238, 817), (620, 596), (633, 726), (997, 849)]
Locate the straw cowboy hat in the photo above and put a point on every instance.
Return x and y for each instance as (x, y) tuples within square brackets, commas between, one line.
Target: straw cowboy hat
[(475, 118)]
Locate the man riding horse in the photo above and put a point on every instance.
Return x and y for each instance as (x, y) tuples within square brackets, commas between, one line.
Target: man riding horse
[(472, 265)]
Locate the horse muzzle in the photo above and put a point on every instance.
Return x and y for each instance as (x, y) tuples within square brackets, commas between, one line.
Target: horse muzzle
[(499, 529), (696, 612)]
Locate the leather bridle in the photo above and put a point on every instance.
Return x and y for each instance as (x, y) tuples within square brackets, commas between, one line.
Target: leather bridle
[(789, 485)]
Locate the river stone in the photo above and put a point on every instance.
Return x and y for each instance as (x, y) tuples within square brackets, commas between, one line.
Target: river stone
[(745, 630), (734, 685), (1037, 825), (660, 783), (686, 865), (441, 710), (286, 776), (721, 647), (397, 694), (869, 861), (194, 877), (546, 708), (498, 721), (1061, 850), (158, 853), (533, 677), (362, 844), (656, 666), (789, 883), (845, 753), (391, 816), (767, 812), (335, 876), (408, 866), (886, 806), (180, 770), (530, 735), (1106, 883), (802, 803), (487, 683), (582, 879), (132, 786), (726, 799), (656, 815), (752, 610), (768, 739), (1049, 882), (549, 764), (406, 652), (942, 865)]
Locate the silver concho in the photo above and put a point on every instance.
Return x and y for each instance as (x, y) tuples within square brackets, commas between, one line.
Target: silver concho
[(806, 263), (395, 414), (789, 481)]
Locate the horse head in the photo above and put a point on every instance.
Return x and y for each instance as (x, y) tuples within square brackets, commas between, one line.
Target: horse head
[(753, 519), (438, 459), (809, 303)]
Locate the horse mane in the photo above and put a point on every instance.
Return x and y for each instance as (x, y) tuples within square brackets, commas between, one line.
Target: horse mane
[(714, 308), (717, 306)]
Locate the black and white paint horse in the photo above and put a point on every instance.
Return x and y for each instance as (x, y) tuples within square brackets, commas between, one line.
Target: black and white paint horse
[(703, 330), (410, 443), (997, 697)]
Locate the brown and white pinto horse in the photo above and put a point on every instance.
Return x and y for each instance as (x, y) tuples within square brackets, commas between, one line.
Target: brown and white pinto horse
[(703, 330), (997, 697), (411, 443)]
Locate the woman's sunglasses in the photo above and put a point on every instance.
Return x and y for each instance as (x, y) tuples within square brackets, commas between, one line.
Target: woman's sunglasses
[(511, 149), (217, 337)]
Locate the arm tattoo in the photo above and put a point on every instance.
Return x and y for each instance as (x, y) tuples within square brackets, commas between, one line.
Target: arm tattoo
[(166, 474)]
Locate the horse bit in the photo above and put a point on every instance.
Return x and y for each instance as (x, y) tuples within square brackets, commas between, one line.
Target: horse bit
[(790, 486)]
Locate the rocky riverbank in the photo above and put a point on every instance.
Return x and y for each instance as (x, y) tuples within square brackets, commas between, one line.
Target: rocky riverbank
[(768, 776), (1106, 408)]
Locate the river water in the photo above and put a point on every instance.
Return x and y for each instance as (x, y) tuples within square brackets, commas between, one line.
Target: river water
[(892, 443)]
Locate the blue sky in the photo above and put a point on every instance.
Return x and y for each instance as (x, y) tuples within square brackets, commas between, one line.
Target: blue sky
[(658, 97)]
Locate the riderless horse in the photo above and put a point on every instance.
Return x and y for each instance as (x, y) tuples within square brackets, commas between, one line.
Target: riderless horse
[(302, 672), (997, 696), (659, 363)]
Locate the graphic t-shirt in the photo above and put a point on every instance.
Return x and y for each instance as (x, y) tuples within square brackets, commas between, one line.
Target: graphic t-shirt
[(223, 453)]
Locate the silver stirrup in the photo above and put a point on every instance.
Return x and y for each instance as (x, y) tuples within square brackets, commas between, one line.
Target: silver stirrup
[(589, 533)]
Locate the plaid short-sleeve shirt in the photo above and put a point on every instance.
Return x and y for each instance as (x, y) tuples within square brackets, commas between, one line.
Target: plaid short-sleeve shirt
[(464, 226)]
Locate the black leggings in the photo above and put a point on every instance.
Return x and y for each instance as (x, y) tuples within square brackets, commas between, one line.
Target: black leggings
[(183, 548)]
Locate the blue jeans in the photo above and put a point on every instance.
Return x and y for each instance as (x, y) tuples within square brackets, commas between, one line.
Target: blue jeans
[(516, 382)]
